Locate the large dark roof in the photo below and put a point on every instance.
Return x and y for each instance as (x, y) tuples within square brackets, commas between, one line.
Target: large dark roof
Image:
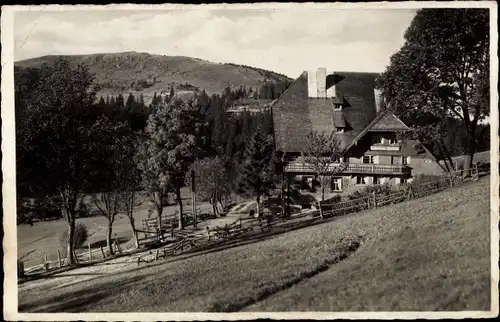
[(295, 114)]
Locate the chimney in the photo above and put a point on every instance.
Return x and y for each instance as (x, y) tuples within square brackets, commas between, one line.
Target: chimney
[(312, 84), (330, 90), (321, 81), (379, 101)]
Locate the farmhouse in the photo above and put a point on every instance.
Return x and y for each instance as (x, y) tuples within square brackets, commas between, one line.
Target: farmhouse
[(347, 103)]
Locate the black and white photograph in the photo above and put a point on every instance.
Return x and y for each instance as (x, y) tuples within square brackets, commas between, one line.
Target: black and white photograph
[(243, 161)]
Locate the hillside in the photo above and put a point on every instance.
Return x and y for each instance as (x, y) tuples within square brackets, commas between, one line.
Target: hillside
[(145, 73), (427, 254)]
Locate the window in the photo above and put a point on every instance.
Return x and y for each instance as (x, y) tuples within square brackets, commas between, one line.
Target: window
[(339, 129), (337, 107), (403, 180), (393, 139), (359, 180), (336, 184), (405, 160), (376, 180), (368, 159), (306, 182), (376, 139)]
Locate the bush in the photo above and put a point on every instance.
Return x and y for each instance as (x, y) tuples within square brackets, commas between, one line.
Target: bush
[(424, 184), (81, 235)]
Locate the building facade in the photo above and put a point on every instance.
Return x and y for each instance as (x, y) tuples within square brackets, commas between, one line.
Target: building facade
[(348, 104)]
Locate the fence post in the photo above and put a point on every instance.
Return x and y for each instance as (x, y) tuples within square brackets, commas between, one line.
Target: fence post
[(451, 179), (157, 254), (44, 261), (208, 233), (102, 251), (475, 174), (410, 192), (59, 258), (374, 199), (171, 230)]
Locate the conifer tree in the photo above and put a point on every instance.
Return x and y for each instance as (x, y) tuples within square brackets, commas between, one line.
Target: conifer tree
[(256, 170)]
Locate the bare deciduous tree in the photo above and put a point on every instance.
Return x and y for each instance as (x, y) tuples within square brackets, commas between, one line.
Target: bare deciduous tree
[(322, 156)]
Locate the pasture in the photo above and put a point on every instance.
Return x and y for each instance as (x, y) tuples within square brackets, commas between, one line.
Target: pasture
[(427, 254)]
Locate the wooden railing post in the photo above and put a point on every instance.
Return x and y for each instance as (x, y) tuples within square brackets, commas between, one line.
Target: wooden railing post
[(59, 258), (374, 199), (102, 251)]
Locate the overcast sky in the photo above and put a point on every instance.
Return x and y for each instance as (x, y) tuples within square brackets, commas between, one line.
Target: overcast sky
[(283, 40)]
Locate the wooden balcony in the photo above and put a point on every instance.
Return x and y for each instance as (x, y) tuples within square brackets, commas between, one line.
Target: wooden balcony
[(354, 168), (385, 147)]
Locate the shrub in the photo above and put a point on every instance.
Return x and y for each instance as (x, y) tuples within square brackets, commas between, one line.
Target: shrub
[(81, 235), (334, 199), (424, 184)]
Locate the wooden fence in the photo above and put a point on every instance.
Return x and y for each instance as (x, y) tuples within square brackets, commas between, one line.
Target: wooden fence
[(89, 256), (405, 192)]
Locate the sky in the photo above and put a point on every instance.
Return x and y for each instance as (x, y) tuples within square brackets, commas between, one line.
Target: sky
[(285, 40)]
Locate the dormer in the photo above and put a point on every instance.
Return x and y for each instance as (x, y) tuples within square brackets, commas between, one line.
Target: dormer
[(337, 102)]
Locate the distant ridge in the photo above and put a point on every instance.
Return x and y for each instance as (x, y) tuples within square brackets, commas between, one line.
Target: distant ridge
[(133, 72)]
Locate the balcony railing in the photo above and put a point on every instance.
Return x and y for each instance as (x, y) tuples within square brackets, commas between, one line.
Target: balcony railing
[(385, 147), (353, 168)]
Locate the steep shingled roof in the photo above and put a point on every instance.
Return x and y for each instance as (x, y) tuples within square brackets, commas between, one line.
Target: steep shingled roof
[(295, 114)]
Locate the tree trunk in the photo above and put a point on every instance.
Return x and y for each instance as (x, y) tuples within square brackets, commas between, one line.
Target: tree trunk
[(221, 207), (157, 196), (193, 199), (69, 204), (444, 158), (179, 202), (136, 237), (71, 238), (108, 238), (447, 153), (472, 150), (258, 205), (214, 208)]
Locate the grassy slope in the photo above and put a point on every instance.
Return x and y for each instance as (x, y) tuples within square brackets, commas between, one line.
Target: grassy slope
[(117, 71), (426, 254)]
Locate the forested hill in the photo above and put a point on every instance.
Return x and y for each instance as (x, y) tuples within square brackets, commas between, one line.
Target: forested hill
[(142, 73)]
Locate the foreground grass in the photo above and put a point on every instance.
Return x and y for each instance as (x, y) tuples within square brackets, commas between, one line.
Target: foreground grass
[(427, 254)]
